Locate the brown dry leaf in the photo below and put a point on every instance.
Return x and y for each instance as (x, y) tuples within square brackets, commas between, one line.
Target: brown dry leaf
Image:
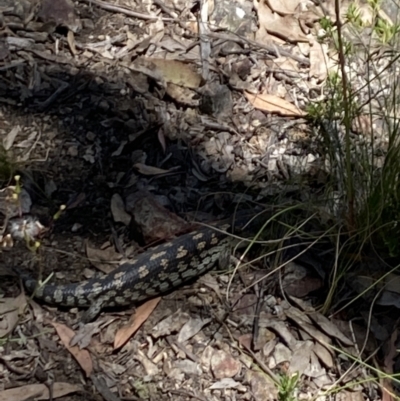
[(175, 72), (224, 384), (140, 316), (312, 331), (287, 64), (191, 328), (85, 333), (170, 324), (262, 387), (303, 321), (149, 170), (283, 7), (329, 328), (161, 139), (38, 392), (319, 62), (82, 356), (71, 43), (118, 210), (300, 359), (302, 287), (211, 282), (9, 313), (274, 104), (389, 361), (27, 143), (8, 141), (349, 395), (287, 28), (105, 260), (323, 355)]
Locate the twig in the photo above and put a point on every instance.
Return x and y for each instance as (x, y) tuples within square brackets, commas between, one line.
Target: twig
[(205, 47), (274, 50), (12, 65), (122, 10)]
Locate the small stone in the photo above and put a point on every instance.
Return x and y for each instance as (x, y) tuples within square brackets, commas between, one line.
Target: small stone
[(104, 105), (91, 136), (89, 158), (224, 365), (73, 151), (87, 23)]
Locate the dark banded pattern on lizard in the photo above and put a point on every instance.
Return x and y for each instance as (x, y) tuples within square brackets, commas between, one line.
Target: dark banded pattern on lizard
[(152, 273)]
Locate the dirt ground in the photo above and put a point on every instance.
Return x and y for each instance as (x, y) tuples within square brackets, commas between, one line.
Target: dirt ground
[(121, 111)]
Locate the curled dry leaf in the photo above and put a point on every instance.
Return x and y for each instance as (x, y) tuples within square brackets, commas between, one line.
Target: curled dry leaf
[(300, 359), (191, 328), (9, 312), (85, 333), (161, 139), (283, 27), (283, 7), (274, 104), (141, 315), (170, 324), (82, 356), (225, 384), (323, 355), (106, 260), (118, 210), (71, 43), (10, 138), (149, 170), (330, 328)]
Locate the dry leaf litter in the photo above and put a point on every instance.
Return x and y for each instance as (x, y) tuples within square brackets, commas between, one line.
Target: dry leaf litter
[(127, 110)]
